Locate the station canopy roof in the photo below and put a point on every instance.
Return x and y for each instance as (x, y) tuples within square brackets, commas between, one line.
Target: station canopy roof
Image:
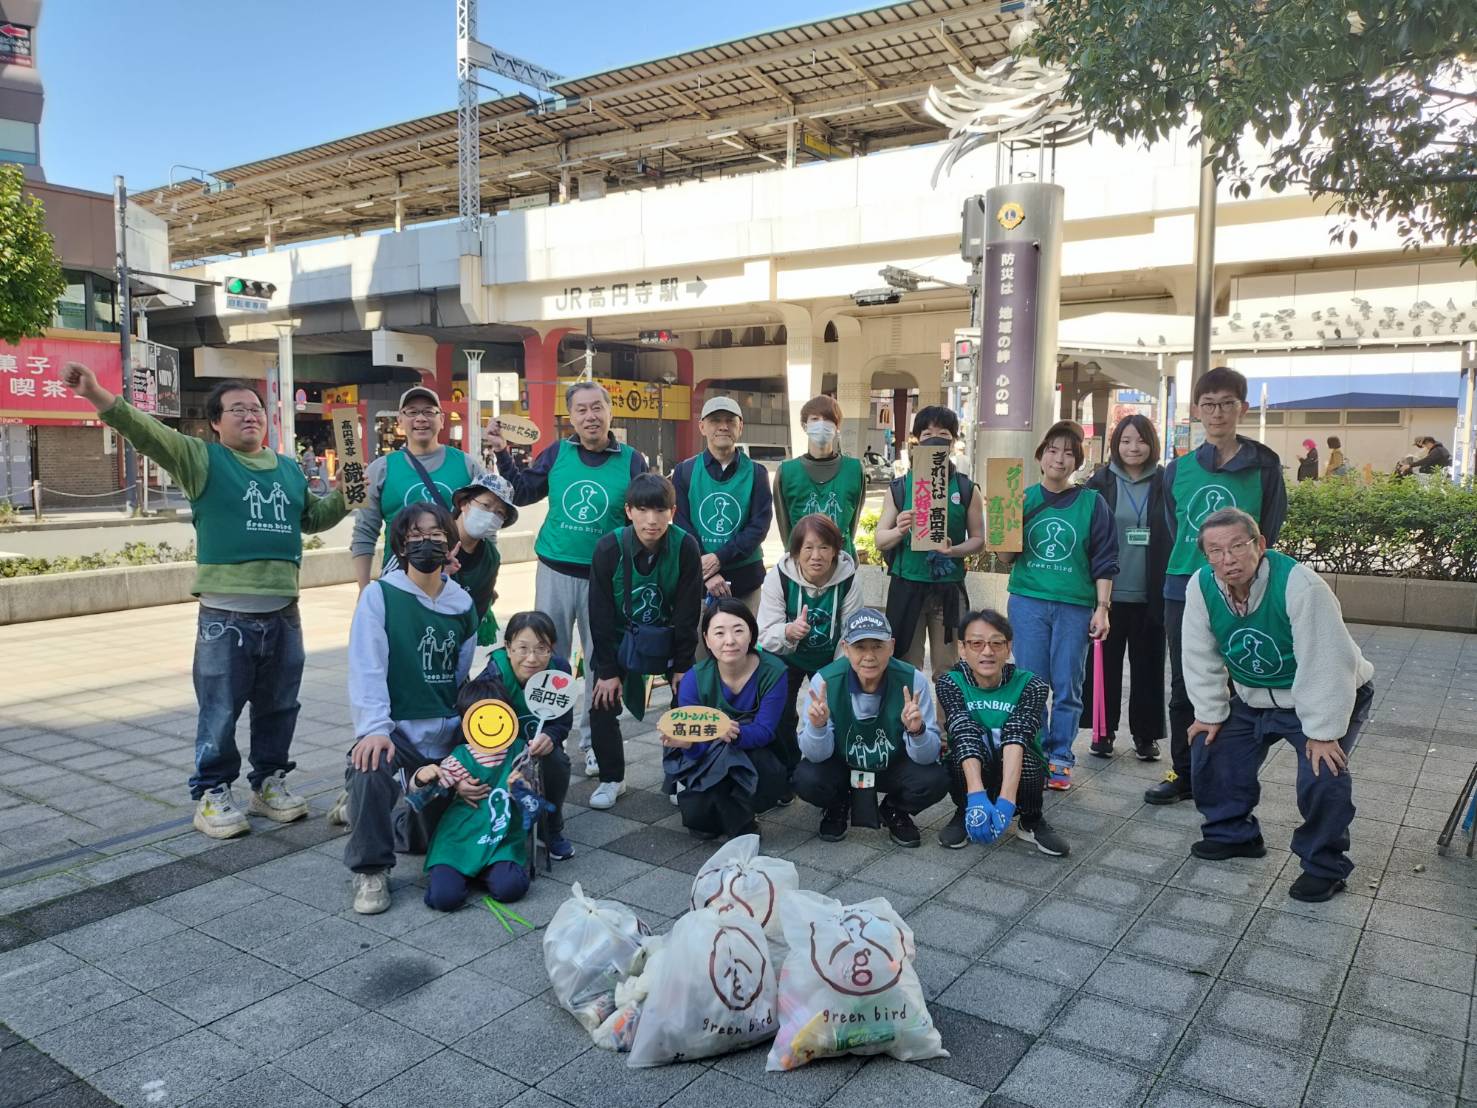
[(848, 85)]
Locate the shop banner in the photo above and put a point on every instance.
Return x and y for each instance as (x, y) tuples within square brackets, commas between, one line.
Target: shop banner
[(31, 389)]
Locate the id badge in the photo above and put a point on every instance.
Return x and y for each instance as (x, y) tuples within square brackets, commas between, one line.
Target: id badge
[(1137, 536), (861, 779)]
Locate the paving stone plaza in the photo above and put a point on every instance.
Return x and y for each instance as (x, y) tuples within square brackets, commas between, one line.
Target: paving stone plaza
[(143, 964)]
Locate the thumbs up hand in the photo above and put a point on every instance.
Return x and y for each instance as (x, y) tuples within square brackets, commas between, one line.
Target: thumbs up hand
[(818, 711), (912, 713), (799, 627)]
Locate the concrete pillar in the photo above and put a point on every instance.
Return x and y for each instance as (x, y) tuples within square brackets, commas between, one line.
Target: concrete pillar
[(853, 387), (541, 380), (802, 376), (687, 436), (439, 380), (399, 213)]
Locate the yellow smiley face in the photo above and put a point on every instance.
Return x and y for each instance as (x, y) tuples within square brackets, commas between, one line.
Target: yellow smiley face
[(489, 725)]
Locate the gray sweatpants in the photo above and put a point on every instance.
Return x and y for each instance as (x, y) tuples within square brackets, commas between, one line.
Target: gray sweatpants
[(566, 600)]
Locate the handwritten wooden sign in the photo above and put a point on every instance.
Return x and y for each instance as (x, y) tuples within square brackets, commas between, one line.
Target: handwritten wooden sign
[(351, 466), (929, 481), (1005, 504), (693, 724), (549, 693), (518, 430)]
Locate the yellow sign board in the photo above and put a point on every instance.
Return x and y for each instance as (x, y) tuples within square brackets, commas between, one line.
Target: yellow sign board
[(637, 399), (341, 394)]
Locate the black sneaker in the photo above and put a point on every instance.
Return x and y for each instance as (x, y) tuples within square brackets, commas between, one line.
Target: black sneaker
[(1146, 751), (1315, 890), (1101, 748), (953, 836), (1214, 850), (900, 825), (833, 822), (1171, 790), (1045, 837)]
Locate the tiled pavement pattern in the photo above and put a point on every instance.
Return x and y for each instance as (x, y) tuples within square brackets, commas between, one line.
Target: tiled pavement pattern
[(161, 969)]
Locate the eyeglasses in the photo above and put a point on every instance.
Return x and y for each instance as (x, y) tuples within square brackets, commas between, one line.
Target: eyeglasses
[(434, 536), (1219, 405), (420, 413), (521, 651), (994, 646), (1229, 553), (241, 411)]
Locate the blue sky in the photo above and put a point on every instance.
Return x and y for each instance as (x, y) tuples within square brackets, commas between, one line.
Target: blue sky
[(136, 86)]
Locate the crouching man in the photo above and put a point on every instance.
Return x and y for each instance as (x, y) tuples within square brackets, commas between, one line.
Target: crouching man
[(869, 732), (1276, 631)]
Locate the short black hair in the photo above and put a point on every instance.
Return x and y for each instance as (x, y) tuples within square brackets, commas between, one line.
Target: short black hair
[(1144, 426), (1335, 443), (651, 490), (409, 516), (215, 405), (481, 687), (1220, 379), (936, 415), (729, 606), (1067, 429), (537, 622), (990, 616)]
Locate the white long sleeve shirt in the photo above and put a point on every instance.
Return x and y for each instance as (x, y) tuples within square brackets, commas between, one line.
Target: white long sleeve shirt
[(1330, 667)]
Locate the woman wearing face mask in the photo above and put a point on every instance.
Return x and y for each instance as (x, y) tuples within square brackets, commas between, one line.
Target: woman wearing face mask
[(926, 595), (481, 509), (1132, 484), (726, 782), (1061, 587), (822, 479), (410, 648)]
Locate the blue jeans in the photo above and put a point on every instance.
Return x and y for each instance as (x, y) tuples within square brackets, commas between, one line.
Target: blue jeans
[(242, 658), (1051, 641)]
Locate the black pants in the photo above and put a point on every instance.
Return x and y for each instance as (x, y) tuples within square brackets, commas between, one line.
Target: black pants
[(1181, 711), (554, 771), (786, 745), (1133, 632), (992, 770), (724, 808), (605, 740), (908, 786)]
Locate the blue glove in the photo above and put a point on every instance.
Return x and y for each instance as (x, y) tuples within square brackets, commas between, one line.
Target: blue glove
[(979, 818), (941, 565), (1003, 813)]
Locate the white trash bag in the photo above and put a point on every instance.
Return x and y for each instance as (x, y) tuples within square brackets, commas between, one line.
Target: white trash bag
[(738, 878), (618, 1031), (848, 985), (714, 991), (591, 946)]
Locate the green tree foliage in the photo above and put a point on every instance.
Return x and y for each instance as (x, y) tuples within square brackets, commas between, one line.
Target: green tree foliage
[(1371, 104), (30, 277)]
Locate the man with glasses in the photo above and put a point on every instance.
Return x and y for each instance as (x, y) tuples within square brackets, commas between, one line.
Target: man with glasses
[(423, 469), (251, 508), (1273, 630), (1227, 471), (584, 478)]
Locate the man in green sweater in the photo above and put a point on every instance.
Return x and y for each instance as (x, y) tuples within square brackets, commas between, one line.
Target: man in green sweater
[(251, 508)]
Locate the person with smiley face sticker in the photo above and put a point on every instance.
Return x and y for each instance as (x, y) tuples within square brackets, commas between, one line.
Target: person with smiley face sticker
[(410, 647), (1061, 585)]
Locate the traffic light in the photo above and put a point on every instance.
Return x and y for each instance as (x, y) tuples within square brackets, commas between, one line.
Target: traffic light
[(658, 338), (241, 286)]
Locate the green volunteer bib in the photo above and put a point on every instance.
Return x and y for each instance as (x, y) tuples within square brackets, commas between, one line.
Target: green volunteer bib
[(478, 575), (719, 508), (867, 744), (710, 689), (585, 504), (823, 613), (403, 485), (914, 565), (648, 598), (1197, 493), (424, 648), (840, 498), (248, 515), (1054, 564), (1257, 647), (990, 708), (471, 839)]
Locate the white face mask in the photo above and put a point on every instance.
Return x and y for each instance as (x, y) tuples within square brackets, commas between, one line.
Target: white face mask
[(822, 433), (481, 523)]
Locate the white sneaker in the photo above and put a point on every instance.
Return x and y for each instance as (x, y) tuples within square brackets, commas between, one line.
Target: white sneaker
[(592, 764), (275, 801), (372, 892), (605, 793), (338, 815), (216, 814)]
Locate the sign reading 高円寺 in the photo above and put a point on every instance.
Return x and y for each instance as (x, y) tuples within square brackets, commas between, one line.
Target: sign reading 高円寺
[(351, 467), (929, 481), (1005, 504)]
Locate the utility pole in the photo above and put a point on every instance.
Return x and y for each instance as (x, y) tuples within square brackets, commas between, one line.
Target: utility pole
[(125, 328)]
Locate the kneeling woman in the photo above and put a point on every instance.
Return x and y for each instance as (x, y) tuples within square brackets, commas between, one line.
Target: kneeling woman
[(725, 783), (993, 712)]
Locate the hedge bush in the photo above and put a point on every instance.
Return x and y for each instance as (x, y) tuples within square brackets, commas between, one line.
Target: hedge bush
[(132, 554), (1391, 528)]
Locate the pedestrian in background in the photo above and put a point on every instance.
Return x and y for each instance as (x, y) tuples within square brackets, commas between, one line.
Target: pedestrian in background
[(1132, 483)]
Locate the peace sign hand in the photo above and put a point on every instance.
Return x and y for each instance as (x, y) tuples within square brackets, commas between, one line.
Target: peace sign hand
[(819, 711), (912, 713)]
